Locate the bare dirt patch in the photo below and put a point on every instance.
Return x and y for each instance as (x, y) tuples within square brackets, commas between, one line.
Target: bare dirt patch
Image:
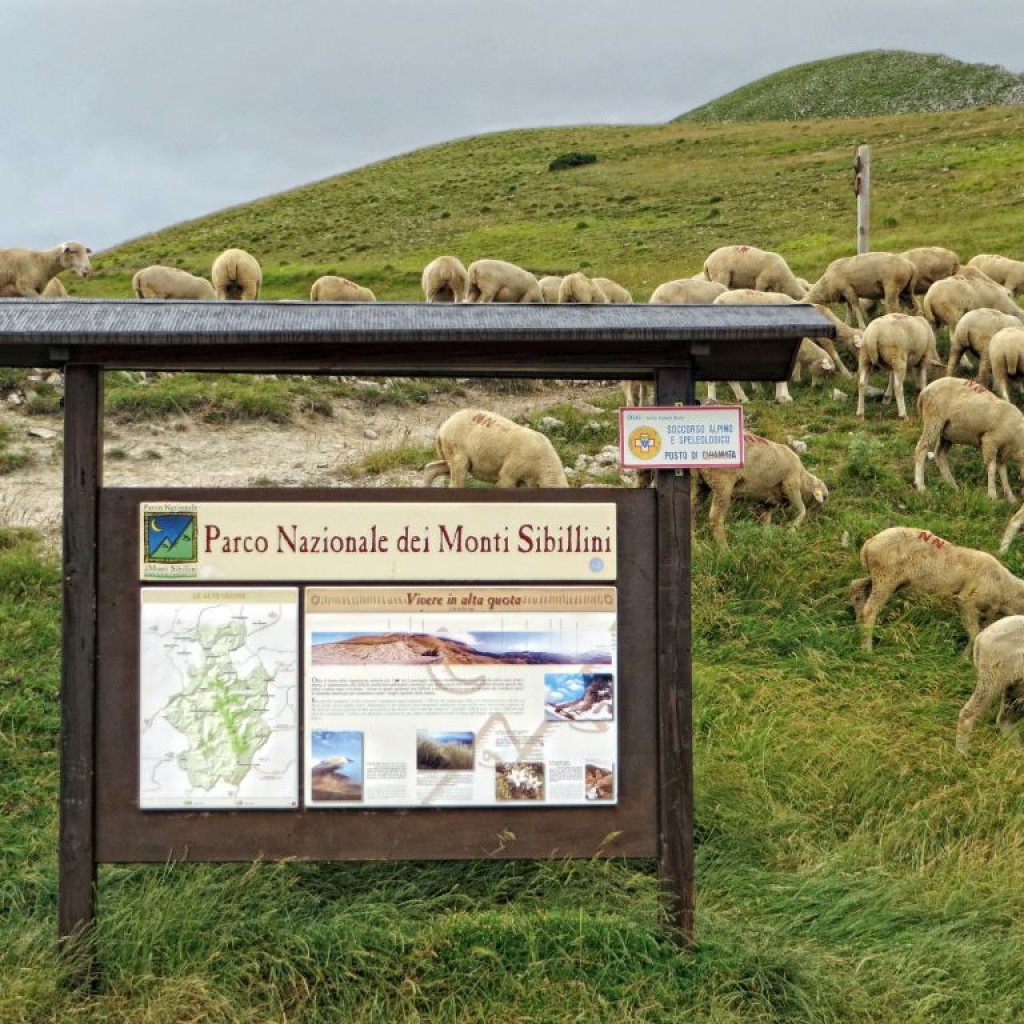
[(181, 453)]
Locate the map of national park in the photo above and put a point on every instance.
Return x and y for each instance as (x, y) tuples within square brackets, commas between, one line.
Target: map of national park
[(218, 700)]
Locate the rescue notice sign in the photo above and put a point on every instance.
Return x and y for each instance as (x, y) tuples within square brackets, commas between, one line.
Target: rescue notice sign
[(681, 437)]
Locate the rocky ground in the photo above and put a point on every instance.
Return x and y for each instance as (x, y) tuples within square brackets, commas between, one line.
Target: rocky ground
[(177, 452)]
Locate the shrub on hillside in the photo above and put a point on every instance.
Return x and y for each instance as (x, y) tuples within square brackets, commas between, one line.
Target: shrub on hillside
[(572, 159)]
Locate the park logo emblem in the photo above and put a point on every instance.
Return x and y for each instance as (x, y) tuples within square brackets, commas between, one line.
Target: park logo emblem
[(169, 538), (645, 442)]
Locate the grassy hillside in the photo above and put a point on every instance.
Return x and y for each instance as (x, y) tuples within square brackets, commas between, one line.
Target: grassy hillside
[(866, 84), (851, 866), (657, 200)]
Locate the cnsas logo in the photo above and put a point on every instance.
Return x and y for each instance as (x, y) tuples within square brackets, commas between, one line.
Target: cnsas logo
[(645, 442)]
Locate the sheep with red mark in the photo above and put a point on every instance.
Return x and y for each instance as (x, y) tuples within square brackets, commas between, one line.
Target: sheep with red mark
[(746, 266), (771, 473), (958, 411), (917, 561), (489, 447)]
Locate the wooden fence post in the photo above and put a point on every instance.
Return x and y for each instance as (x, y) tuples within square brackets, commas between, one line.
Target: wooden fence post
[(862, 186)]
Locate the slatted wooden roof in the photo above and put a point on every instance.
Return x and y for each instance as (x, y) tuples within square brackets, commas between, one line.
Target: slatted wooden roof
[(414, 338)]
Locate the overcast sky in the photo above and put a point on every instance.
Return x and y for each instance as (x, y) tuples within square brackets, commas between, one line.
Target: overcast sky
[(122, 117)]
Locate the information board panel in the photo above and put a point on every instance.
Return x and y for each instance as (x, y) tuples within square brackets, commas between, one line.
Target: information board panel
[(460, 697)]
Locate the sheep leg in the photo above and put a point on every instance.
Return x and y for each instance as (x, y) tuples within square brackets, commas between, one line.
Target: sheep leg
[(738, 392), (873, 604), (852, 300), (956, 350), (931, 438), (1011, 531), (1011, 712), (862, 385), (782, 395), (899, 375), (941, 460), (458, 469), (721, 497), (970, 617), (984, 374), (433, 470), (791, 489), (977, 704), (994, 466)]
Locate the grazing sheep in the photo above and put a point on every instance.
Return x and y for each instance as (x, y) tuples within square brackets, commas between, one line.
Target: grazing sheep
[(331, 288), (815, 360), (549, 286), (915, 559), (445, 280), (896, 342), (613, 291), (687, 291), (236, 275), (1006, 359), (24, 273), (933, 263), (745, 266), (973, 332), (1009, 273), (948, 300), (868, 275), (958, 411), (771, 473), (160, 282), (489, 447), (498, 281), (577, 287), (998, 656)]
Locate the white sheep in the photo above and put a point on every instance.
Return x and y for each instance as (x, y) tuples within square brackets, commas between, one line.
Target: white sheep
[(907, 557), (685, 291), (236, 274), (577, 287), (331, 288), (1003, 270), (973, 332), (444, 279), (746, 266), (868, 275), (1006, 359), (811, 357), (499, 281), (549, 285), (160, 282), (958, 411), (998, 656), (24, 273), (772, 473), (948, 300), (897, 343), (933, 263), (492, 448), (613, 291)]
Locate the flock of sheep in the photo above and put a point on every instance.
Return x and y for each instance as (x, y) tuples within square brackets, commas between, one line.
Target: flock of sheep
[(919, 290)]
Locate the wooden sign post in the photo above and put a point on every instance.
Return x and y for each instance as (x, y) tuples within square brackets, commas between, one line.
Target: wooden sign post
[(643, 572)]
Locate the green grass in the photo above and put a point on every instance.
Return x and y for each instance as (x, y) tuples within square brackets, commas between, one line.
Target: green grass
[(851, 867), (865, 84)]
